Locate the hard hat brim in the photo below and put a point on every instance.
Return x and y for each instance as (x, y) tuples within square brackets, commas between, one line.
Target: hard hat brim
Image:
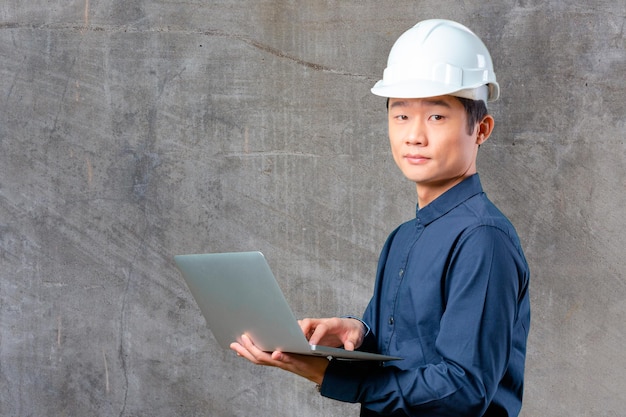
[(428, 88)]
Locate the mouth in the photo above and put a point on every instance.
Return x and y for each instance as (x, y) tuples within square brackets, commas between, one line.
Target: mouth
[(415, 159)]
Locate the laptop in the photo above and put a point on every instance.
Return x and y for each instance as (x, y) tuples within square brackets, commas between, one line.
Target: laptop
[(238, 294)]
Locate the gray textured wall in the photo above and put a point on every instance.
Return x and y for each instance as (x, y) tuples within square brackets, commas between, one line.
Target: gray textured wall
[(131, 131)]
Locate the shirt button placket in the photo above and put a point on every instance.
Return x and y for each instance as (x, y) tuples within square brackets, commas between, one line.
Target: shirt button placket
[(400, 275)]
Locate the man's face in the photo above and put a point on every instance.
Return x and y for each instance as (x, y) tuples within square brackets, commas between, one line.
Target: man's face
[(430, 142)]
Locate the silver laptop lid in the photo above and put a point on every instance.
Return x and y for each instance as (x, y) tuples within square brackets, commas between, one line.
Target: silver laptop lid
[(238, 294)]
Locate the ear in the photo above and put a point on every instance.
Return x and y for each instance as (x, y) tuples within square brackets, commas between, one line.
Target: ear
[(485, 127)]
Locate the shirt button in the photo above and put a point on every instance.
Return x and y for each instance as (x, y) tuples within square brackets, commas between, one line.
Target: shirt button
[(391, 320), (401, 274)]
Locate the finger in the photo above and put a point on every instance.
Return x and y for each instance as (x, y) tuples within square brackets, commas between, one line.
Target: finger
[(243, 352), (252, 351), (307, 326), (318, 333), (249, 345), (278, 356), (236, 346)]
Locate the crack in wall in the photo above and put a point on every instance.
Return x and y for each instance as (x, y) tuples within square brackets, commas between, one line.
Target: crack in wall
[(169, 29)]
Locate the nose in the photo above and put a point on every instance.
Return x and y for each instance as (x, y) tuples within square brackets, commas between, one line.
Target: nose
[(416, 134)]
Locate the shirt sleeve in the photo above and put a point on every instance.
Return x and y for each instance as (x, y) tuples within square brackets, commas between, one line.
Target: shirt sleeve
[(480, 292)]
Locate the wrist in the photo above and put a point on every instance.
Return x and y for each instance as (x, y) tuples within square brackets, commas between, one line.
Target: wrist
[(318, 373)]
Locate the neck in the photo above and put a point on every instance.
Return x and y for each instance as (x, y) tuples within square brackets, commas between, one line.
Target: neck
[(426, 194)]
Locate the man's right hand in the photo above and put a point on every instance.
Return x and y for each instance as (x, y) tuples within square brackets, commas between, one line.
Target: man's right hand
[(334, 332)]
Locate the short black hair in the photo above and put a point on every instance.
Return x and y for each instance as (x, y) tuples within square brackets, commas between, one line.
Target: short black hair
[(476, 111)]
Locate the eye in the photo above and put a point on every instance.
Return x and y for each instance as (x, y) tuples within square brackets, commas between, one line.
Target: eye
[(437, 117), (401, 117)]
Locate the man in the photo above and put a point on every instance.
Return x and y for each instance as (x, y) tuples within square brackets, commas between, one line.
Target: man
[(451, 294)]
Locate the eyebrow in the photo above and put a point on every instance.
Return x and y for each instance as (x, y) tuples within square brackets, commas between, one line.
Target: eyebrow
[(429, 102), (438, 102)]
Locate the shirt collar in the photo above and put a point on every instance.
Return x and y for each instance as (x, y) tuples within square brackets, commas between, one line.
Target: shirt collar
[(452, 198)]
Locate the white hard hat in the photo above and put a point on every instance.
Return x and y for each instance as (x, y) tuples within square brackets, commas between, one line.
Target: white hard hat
[(438, 57)]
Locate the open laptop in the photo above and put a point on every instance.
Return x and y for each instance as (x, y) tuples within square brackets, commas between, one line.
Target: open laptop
[(238, 294)]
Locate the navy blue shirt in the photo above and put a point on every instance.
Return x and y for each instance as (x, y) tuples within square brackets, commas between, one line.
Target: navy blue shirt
[(451, 298)]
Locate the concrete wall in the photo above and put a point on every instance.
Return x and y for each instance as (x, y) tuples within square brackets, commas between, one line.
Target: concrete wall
[(133, 130)]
